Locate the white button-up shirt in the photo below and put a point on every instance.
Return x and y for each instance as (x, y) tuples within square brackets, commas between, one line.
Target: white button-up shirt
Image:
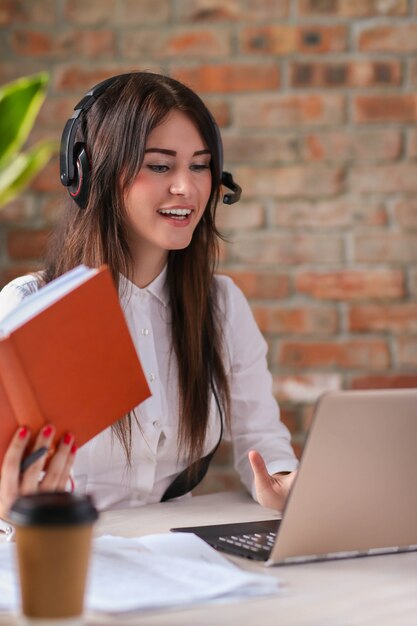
[(100, 467)]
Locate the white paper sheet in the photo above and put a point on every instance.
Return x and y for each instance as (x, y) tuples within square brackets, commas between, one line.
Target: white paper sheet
[(155, 571)]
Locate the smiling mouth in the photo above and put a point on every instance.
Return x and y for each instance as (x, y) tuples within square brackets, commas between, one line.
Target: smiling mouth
[(176, 214)]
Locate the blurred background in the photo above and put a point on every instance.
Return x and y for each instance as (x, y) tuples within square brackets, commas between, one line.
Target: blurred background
[(317, 103)]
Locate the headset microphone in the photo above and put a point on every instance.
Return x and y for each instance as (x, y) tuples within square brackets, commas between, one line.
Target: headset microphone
[(227, 181)]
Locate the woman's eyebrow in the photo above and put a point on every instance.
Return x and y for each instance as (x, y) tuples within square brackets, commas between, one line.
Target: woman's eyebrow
[(174, 153)]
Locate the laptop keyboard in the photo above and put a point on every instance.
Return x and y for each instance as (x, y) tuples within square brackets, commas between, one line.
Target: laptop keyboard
[(252, 540), (259, 544)]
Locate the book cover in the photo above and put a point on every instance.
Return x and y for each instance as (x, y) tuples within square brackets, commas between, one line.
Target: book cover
[(72, 363)]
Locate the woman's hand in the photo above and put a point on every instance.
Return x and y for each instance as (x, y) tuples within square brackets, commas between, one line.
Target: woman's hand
[(49, 473), (271, 491)]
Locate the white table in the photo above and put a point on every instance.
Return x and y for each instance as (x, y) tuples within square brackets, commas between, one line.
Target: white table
[(371, 591)]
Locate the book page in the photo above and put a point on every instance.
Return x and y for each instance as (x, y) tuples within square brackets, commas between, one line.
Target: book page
[(47, 295)]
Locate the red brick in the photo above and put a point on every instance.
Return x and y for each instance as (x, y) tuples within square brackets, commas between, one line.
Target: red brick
[(394, 318), (413, 282), (341, 212), (89, 44), (260, 285), (40, 133), (372, 144), (280, 147), (412, 64), (77, 79), (300, 320), (48, 179), (372, 354), (11, 69), (387, 381), (345, 73), (260, 10), (284, 39), (241, 216), (175, 43), (276, 39), (55, 111), (406, 212), (401, 177), (143, 12), (21, 209), (297, 444), (18, 269), (385, 248), (305, 387), (220, 109), (29, 42), (270, 249), (51, 207), (290, 181), (7, 12), (289, 417), (231, 10), (223, 252), (199, 11), (385, 108), (307, 416), (350, 284), (27, 11), (27, 244), (412, 143), (283, 111), (230, 77), (351, 8), (94, 12), (317, 38), (96, 43), (398, 38), (407, 351)]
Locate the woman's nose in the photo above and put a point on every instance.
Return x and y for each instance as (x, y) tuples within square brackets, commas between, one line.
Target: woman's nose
[(180, 184)]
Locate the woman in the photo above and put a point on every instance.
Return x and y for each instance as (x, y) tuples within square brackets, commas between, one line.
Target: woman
[(142, 159)]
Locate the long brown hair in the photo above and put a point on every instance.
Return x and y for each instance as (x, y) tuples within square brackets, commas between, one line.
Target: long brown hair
[(115, 131)]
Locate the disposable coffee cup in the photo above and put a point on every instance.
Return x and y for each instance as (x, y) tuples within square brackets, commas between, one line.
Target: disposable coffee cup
[(53, 541)]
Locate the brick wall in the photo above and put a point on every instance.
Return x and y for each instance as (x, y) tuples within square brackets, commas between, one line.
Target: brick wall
[(317, 101)]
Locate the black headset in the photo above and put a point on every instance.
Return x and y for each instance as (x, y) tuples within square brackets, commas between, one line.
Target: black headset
[(75, 167)]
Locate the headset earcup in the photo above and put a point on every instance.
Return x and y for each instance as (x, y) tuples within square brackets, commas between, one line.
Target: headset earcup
[(79, 188)]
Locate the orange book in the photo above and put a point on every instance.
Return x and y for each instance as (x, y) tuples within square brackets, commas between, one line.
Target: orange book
[(67, 358)]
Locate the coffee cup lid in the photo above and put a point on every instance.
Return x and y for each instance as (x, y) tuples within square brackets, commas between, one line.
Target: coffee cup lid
[(53, 508)]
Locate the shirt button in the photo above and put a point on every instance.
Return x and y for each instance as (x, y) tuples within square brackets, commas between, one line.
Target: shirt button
[(145, 331), (157, 424), (152, 377)]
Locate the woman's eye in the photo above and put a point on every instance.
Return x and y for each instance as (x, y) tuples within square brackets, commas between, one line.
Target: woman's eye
[(199, 167), (159, 169)]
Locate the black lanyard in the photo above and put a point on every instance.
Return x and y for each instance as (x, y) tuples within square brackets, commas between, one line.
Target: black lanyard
[(189, 478)]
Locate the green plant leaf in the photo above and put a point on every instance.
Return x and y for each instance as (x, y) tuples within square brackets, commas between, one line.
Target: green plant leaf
[(18, 173), (20, 101)]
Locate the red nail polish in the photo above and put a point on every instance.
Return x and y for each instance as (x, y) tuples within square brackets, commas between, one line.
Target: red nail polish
[(47, 431), (67, 438), (73, 448), (23, 431)]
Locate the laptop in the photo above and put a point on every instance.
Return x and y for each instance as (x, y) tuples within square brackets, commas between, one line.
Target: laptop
[(355, 493)]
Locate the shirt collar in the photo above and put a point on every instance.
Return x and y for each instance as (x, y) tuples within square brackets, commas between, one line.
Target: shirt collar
[(157, 288)]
